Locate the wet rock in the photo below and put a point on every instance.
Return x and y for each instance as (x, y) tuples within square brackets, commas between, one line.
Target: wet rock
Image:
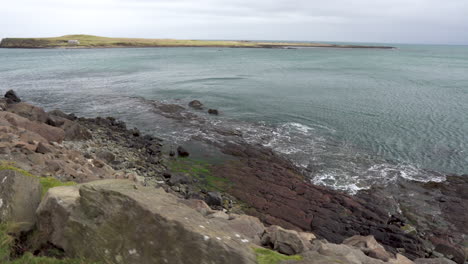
[(214, 199), (43, 149), (171, 108), (20, 196), (171, 153), (12, 97), (213, 112), (196, 104), (182, 152)]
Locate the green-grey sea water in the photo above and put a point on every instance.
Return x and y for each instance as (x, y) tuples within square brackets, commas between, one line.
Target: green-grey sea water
[(349, 117)]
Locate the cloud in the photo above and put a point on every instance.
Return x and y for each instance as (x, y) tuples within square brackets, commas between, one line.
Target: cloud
[(416, 21)]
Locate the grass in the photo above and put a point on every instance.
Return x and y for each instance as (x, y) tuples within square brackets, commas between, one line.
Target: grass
[(46, 182), (89, 41), (267, 256), (200, 171)]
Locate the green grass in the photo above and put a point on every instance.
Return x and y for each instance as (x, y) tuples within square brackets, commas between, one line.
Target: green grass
[(199, 170), (267, 256), (89, 41), (46, 182)]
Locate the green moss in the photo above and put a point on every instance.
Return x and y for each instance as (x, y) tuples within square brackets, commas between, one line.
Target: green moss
[(51, 182), (200, 171), (46, 182), (267, 256)]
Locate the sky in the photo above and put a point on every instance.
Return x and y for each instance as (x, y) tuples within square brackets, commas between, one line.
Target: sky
[(376, 21)]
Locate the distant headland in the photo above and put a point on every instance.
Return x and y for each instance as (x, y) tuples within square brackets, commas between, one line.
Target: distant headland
[(89, 41)]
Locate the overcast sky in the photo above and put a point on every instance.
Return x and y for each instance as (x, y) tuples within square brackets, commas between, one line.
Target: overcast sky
[(384, 21)]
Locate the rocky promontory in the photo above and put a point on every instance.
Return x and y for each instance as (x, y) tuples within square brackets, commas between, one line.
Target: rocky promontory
[(86, 190)]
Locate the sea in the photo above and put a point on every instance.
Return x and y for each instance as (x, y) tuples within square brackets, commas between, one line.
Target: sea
[(349, 118)]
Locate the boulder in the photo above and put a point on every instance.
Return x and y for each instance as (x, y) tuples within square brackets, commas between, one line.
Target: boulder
[(451, 251), (369, 246), (106, 156), (196, 104), (74, 131), (51, 134), (58, 113), (43, 149), (288, 242), (199, 205), (28, 111), (213, 112), (182, 152), (248, 226), (214, 199), (177, 179), (20, 196), (3, 104), (112, 222), (12, 97), (55, 121)]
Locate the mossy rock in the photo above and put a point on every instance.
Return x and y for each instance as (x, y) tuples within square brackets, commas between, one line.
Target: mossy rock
[(267, 256)]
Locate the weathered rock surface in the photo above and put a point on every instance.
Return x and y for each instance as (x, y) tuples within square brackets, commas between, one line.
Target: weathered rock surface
[(113, 222), (288, 242), (28, 111), (369, 246), (433, 261), (20, 196), (47, 132)]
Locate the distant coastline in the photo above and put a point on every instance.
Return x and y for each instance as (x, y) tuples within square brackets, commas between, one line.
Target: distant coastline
[(88, 41)]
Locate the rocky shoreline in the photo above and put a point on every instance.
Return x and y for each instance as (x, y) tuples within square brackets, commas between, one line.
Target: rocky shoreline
[(425, 220)]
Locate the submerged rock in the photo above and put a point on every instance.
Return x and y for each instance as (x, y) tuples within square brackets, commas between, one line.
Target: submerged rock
[(182, 151), (213, 112)]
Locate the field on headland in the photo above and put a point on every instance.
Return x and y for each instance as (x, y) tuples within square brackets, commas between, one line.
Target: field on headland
[(88, 41)]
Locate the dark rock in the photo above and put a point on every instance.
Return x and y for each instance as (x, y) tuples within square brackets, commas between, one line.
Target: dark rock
[(167, 175), (172, 153), (452, 252), (43, 149), (196, 104), (55, 121), (177, 179), (182, 152), (214, 199), (106, 156), (213, 112), (12, 97), (135, 132), (170, 108)]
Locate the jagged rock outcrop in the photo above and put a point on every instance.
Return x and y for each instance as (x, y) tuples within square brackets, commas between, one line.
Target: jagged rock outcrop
[(115, 221)]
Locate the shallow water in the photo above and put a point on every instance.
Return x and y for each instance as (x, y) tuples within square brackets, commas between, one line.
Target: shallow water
[(350, 117)]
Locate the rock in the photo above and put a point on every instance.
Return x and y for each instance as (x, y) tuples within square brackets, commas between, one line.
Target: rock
[(61, 114), (170, 108), (213, 112), (28, 111), (177, 179), (3, 104), (199, 205), (219, 214), (111, 222), (248, 226), (433, 261), (75, 131), (12, 97), (49, 133), (20, 196), (182, 152), (287, 242), (106, 156), (43, 149), (214, 199), (369, 246), (196, 104), (55, 121), (451, 251)]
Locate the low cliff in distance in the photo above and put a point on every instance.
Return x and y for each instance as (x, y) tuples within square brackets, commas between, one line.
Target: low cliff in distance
[(88, 41)]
